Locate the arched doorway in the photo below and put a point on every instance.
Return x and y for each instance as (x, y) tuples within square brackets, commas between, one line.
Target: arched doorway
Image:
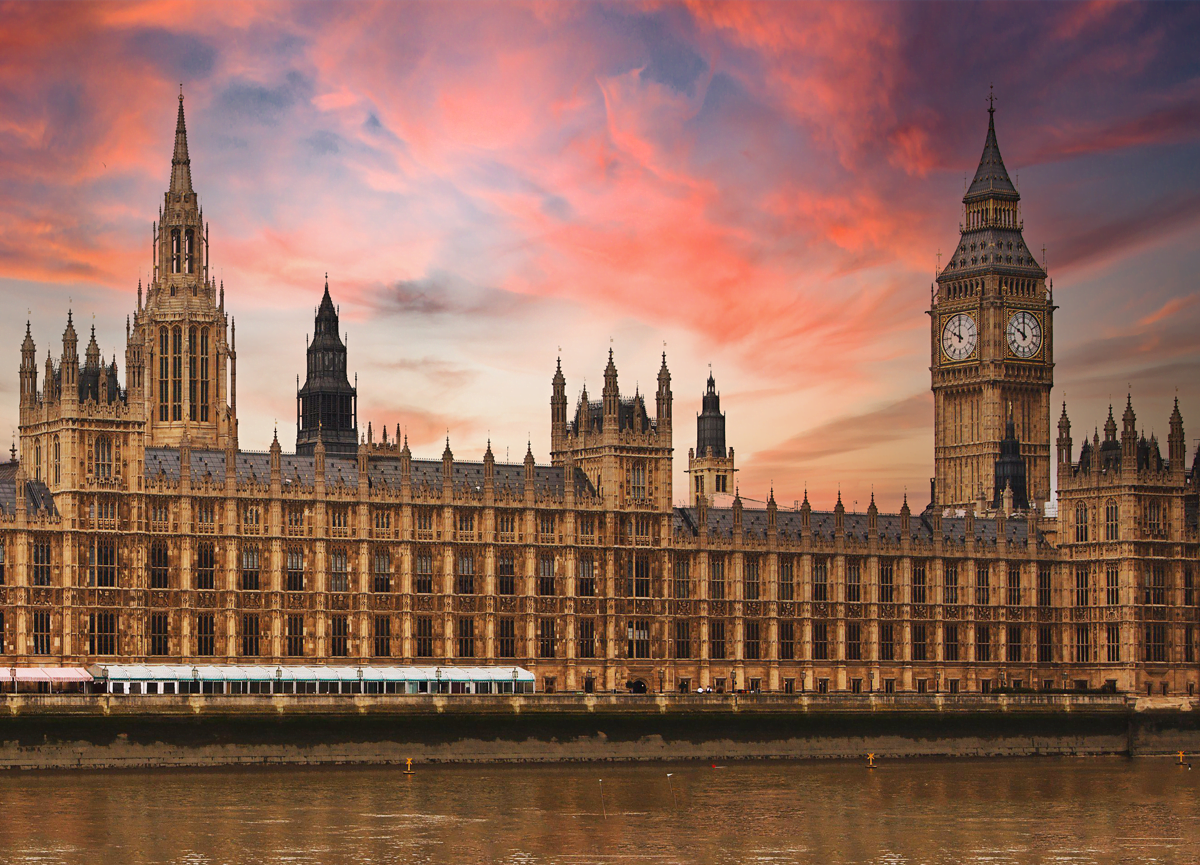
[(637, 686)]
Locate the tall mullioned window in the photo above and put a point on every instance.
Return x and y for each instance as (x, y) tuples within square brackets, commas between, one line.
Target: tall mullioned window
[(176, 373), (887, 592), (295, 636), (160, 565), (423, 572), (193, 354), (250, 635), (918, 583), (339, 570), (586, 634), (853, 581), (716, 578), (751, 641), (1112, 521), (950, 589), (206, 569), (250, 569), (382, 637), (164, 373), (751, 584), (464, 581), (159, 634), (506, 574), (203, 399), (506, 637), (820, 580), (716, 640), (339, 636), (206, 634), (41, 562), (683, 639), (585, 584), (295, 569), (382, 571), (787, 578), (1081, 523), (983, 588)]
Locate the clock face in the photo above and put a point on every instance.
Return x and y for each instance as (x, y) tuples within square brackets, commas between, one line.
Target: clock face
[(959, 336), (1024, 334)]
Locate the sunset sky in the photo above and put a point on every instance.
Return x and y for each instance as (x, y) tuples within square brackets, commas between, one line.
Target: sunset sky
[(763, 188)]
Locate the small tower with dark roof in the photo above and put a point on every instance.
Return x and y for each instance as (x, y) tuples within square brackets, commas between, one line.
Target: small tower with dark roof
[(710, 465), (327, 404)]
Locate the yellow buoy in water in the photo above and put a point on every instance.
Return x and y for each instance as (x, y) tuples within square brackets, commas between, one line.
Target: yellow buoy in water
[(870, 761), (408, 767)]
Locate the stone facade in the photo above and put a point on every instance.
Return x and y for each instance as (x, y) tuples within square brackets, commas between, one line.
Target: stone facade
[(134, 527)]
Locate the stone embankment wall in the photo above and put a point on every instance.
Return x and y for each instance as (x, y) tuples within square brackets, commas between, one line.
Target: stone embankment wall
[(97, 731)]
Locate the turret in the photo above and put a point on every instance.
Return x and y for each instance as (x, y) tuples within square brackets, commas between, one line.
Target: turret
[(664, 396), (447, 467), (28, 369), (1176, 443), (1064, 439), (1129, 436), (611, 395), (69, 365), (558, 410)]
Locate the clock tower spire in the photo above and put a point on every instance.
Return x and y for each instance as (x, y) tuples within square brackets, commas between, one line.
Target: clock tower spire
[(990, 344)]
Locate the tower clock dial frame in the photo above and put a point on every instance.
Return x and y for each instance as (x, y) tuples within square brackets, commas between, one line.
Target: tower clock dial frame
[(1024, 334), (959, 337)]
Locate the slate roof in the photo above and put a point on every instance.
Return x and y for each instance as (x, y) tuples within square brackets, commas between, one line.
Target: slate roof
[(991, 177), (37, 495), (754, 520), (383, 471)]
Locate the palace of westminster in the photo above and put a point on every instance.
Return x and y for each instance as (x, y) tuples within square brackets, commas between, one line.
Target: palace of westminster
[(133, 528)]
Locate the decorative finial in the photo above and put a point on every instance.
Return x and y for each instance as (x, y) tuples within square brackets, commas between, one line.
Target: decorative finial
[(991, 100)]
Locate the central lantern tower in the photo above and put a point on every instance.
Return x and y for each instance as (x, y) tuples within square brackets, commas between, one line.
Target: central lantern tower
[(991, 346), (182, 369)]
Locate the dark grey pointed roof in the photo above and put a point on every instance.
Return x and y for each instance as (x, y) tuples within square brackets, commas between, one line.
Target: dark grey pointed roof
[(991, 177)]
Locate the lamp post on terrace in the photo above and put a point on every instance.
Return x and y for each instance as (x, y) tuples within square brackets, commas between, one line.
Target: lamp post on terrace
[(195, 680), (360, 680), (589, 682), (661, 680), (733, 682), (514, 680), (438, 675), (279, 680)]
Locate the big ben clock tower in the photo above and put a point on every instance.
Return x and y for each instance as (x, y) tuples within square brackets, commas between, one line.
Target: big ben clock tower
[(991, 340)]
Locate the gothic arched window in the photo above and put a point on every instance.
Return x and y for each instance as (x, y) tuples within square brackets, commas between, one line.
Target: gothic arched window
[(203, 374), (1081, 523), (164, 372), (103, 457), (55, 456), (175, 250), (1112, 527), (189, 251), (176, 373), (192, 370)]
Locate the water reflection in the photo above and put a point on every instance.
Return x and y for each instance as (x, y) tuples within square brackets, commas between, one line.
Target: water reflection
[(1018, 811)]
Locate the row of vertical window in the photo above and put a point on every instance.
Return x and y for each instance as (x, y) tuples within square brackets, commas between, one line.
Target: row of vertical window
[(1083, 648), (1157, 520), (170, 373), (102, 572)]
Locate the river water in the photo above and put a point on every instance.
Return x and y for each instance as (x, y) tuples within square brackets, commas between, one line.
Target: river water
[(929, 811)]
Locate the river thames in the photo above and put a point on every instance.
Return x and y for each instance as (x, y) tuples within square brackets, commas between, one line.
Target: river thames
[(930, 811)]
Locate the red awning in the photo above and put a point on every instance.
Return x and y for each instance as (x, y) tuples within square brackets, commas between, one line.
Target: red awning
[(57, 675)]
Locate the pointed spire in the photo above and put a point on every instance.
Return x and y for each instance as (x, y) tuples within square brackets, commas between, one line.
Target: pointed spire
[(92, 353), (181, 166), (991, 176)]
